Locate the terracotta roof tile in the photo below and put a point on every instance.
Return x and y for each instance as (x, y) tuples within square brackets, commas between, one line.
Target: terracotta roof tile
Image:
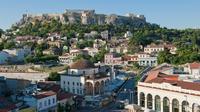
[(82, 64), (194, 65), (183, 84), (44, 94)]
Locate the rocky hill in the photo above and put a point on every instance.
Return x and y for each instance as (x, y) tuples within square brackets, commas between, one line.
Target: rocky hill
[(85, 17)]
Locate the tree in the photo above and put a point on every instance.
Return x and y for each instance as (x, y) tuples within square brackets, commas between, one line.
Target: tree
[(9, 45), (54, 76), (68, 107), (163, 57), (60, 108)]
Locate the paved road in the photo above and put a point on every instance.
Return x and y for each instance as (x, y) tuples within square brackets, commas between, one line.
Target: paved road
[(127, 91), (121, 96)]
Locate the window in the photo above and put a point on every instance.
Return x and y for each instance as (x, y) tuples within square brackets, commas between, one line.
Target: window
[(149, 101), (53, 100), (68, 82), (68, 89), (40, 105), (73, 83), (49, 102), (80, 91), (45, 103), (64, 82), (166, 105), (73, 90), (77, 83), (142, 100), (80, 84), (77, 91)]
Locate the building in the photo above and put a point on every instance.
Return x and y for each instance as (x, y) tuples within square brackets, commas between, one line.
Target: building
[(6, 106), (42, 101), (153, 48), (83, 78), (112, 58), (105, 35), (145, 59), (31, 76), (65, 59), (166, 93), (128, 34), (91, 51), (130, 59), (194, 69)]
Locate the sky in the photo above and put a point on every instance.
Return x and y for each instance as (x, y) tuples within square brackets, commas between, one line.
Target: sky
[(179, 14)]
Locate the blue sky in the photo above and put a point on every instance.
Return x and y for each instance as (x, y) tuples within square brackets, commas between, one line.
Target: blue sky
[(169, 13)]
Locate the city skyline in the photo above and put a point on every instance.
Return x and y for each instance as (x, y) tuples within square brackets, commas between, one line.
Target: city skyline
[(171, 14)]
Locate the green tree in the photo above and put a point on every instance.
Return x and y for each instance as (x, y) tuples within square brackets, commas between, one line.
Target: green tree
[(54, 76)]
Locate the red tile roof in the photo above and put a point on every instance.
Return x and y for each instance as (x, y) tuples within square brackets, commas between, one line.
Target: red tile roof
[(194, 65), (184, 85), (44, 94), (82, 64), (63, 95)]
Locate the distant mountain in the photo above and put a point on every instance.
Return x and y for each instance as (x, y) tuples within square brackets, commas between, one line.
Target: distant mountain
[(85, 17)]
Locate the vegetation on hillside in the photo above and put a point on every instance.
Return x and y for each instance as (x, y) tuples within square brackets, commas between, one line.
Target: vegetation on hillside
[(187, 41)]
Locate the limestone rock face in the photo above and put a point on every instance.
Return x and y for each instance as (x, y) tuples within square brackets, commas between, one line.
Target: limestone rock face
[(84, 17)]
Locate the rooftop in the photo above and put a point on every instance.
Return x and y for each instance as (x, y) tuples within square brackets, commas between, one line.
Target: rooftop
[(82, 64), (194, 65), (183, 84), (44, 94)]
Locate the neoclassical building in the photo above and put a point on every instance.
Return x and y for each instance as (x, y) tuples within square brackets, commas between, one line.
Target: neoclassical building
[(83, 78), (165, 93)]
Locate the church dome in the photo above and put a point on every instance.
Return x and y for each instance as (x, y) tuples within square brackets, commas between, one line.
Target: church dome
[(82, 64)]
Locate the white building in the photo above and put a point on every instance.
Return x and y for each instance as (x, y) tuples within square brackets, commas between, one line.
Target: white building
[(145, 59), (194, 69), (65, 59), (31, 76), (166, 93), (44, 101), (128, 34), (83, 78), (91, 51), (154, 48)]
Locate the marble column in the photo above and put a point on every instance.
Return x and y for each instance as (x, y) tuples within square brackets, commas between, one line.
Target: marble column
[(161, 105)]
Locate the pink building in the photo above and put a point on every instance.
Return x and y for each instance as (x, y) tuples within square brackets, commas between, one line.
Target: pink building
[(112, 58)]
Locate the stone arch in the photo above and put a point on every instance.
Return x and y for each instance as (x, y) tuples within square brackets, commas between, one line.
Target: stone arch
[(175, 105), (157, 103), (97, 87), (166, 104), (89, 88), (149, 101), (142, 99), (185, 106), (195, 107), (102, 86), (106, 82)]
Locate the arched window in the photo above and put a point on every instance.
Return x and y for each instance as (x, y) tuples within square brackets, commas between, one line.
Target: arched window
[(185, 106), (195, 107), (142, 100), (175, 105), (166, 104), (157, 103), (149, 101)]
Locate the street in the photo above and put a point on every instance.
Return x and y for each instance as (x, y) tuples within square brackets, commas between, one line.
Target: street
[(125, 94)]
